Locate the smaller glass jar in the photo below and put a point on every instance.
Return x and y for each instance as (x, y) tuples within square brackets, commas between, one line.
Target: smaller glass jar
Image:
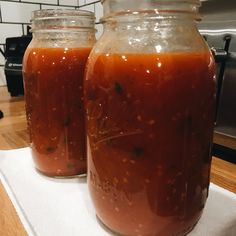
[(53, 70)]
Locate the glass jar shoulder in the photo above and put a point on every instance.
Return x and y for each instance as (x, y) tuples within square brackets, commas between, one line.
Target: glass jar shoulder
[(151, 40), (63, 40)]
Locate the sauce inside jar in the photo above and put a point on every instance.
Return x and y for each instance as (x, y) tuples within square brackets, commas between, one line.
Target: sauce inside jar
[(53, 79), (149, 127)]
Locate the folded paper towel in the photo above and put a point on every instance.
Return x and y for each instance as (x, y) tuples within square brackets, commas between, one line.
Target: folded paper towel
[(60, 207)]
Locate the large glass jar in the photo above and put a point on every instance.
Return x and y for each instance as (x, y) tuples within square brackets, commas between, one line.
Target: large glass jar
[(53, 70), (149, 99)]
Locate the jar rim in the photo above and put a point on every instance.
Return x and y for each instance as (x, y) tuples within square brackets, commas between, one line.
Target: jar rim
[(159, 9), (51, 13)]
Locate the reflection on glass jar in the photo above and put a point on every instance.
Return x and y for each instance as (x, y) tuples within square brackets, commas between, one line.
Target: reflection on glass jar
[(53, 78), (149, 98)]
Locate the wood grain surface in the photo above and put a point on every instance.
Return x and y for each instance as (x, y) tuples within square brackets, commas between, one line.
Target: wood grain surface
[(13, 134)]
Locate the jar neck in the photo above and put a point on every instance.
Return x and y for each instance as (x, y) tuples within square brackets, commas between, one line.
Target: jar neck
[(63, 28), (133, 10)]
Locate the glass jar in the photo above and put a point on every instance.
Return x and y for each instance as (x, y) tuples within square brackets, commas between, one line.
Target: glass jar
[(53, 70), (150, 100)]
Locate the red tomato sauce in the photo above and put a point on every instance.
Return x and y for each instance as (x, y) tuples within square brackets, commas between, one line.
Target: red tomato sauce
[(53, 79), (149, 127)]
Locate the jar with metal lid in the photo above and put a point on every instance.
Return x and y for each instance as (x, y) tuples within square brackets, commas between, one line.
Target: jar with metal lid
[(150, 100), (53, 70)]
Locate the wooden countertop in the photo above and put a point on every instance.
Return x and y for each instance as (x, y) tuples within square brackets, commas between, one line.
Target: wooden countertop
[(13, 134)]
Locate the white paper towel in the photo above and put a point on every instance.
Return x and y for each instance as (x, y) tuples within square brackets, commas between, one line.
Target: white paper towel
[(49, 207)]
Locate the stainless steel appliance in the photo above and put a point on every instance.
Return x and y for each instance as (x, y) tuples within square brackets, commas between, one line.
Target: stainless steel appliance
[(219, 29)]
